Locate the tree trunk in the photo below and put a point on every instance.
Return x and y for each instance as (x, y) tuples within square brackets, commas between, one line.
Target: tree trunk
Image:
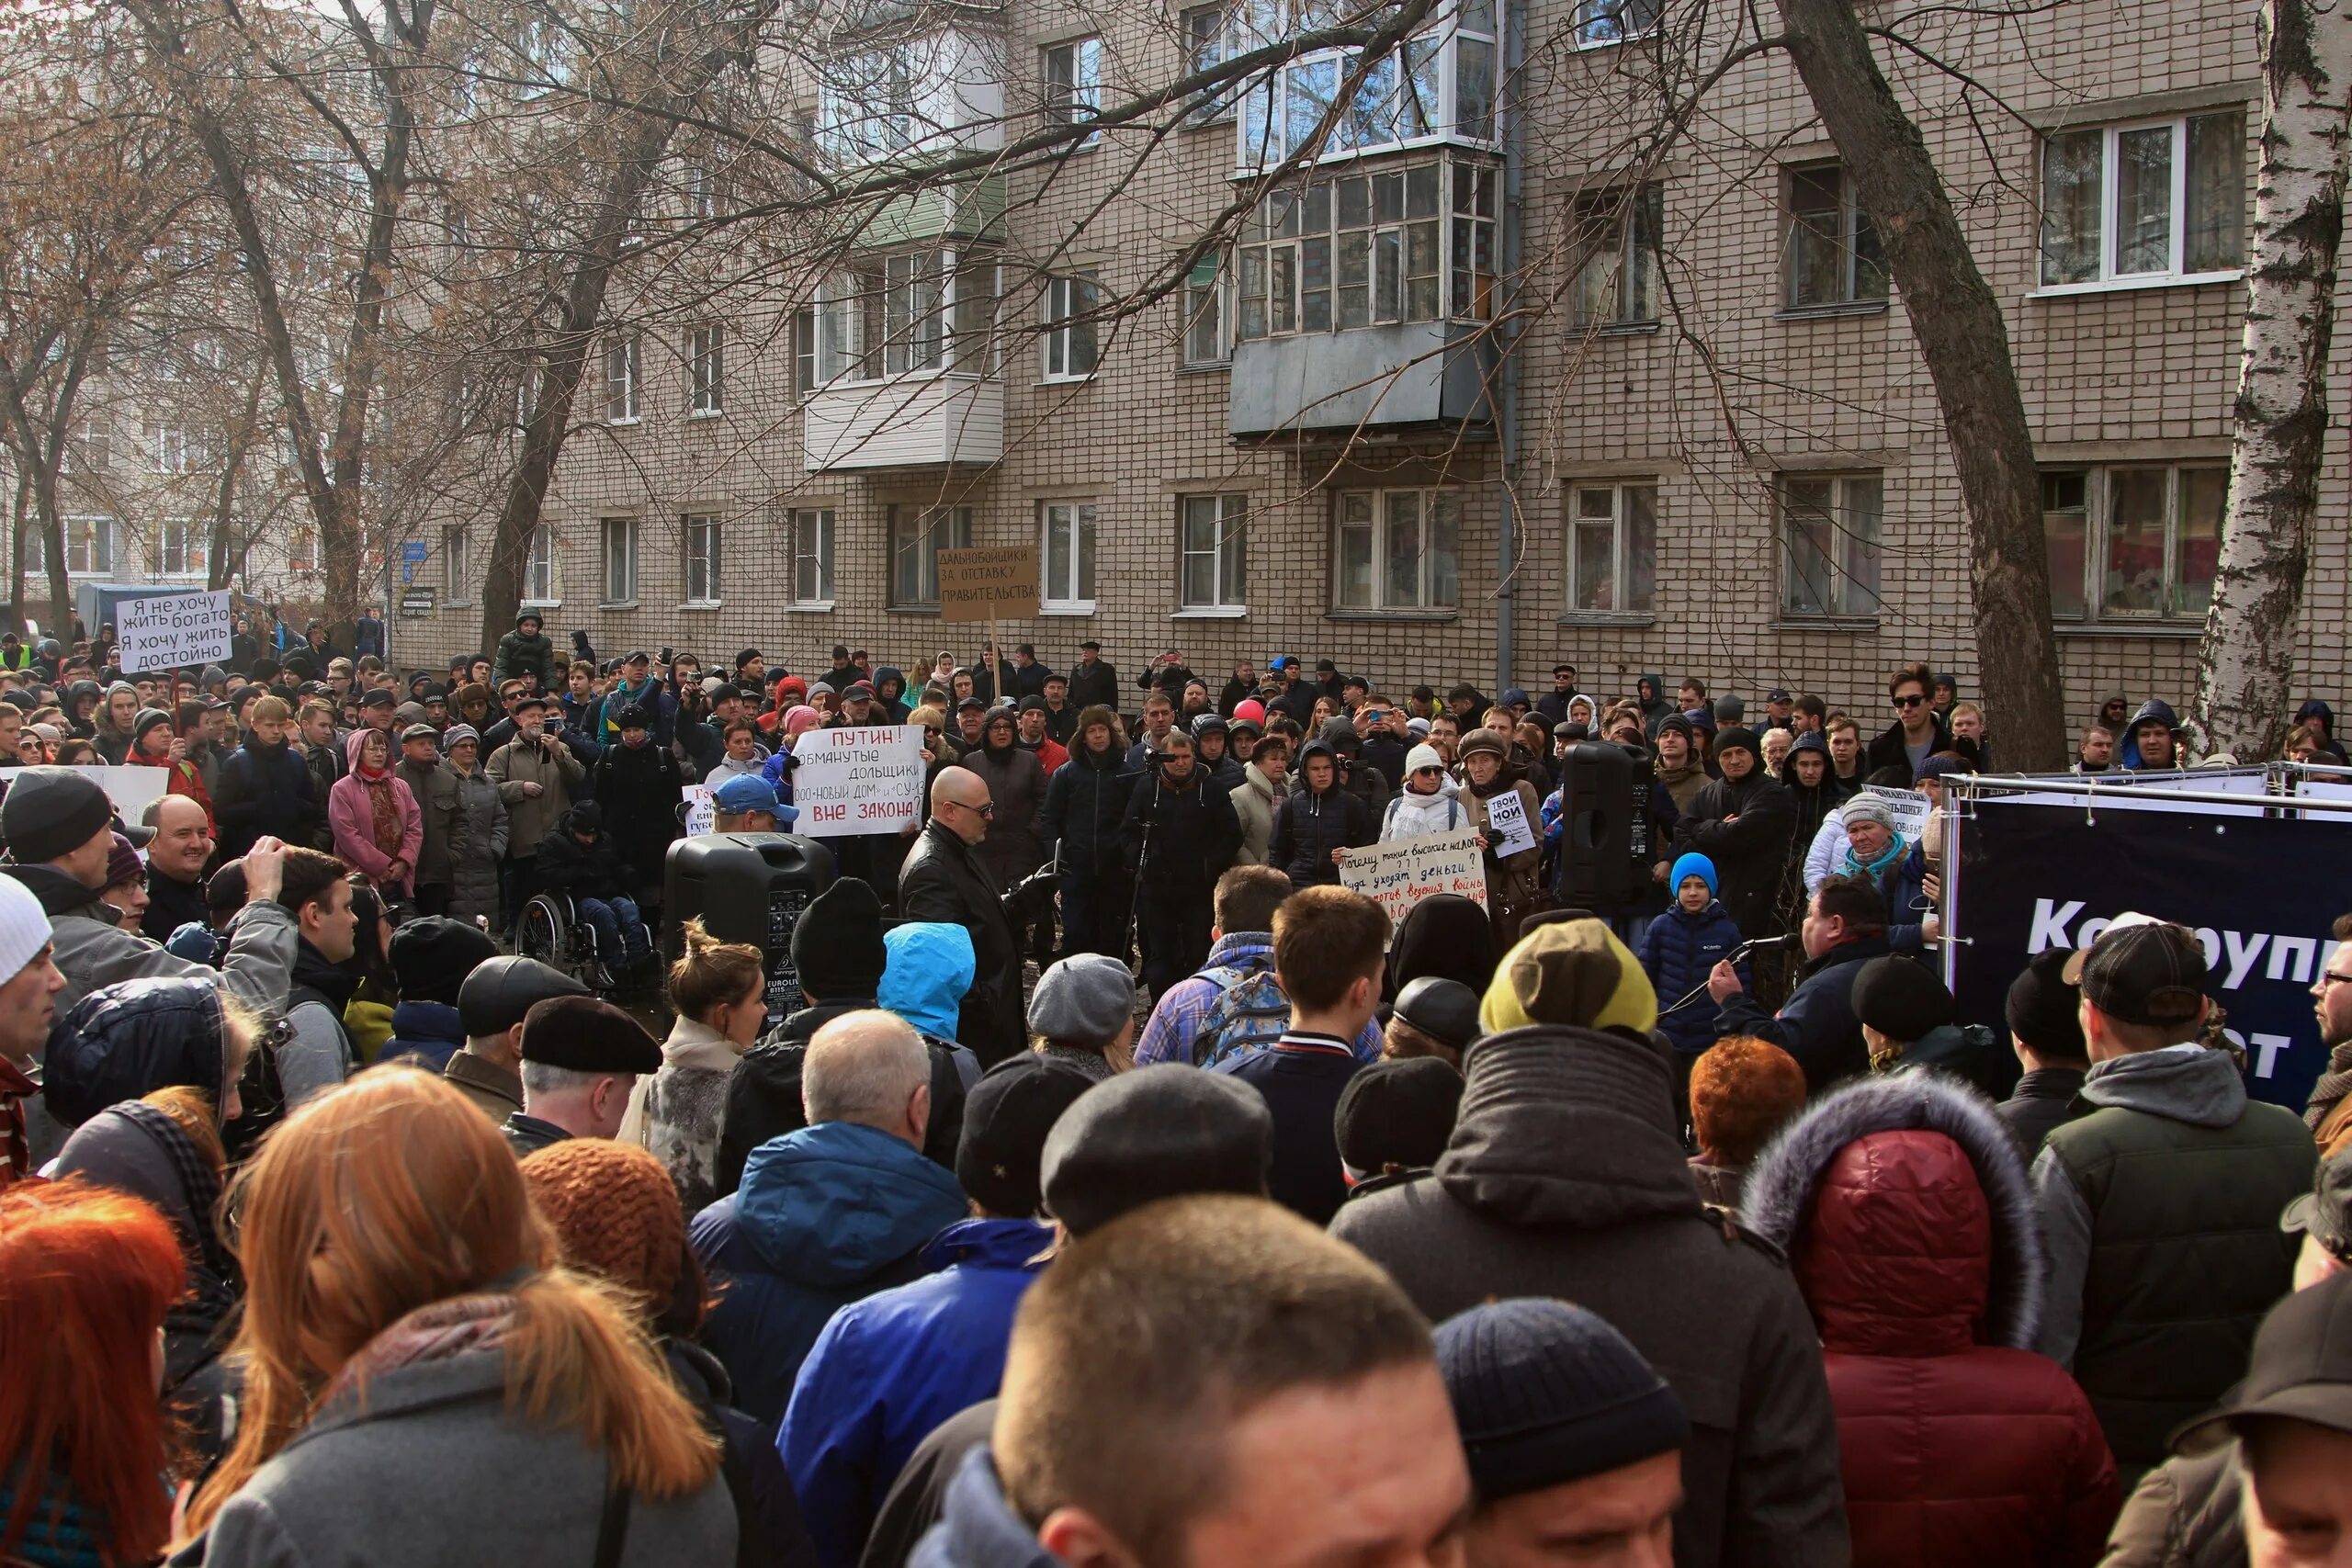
[(1957, 321), (2246, 665)]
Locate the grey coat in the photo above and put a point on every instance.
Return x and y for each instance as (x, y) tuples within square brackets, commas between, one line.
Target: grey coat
[(477, 840), (352, 1488), (93, 950), (435, 791)]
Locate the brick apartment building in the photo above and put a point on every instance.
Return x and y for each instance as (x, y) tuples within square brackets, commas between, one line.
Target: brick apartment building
[(1699, 437)]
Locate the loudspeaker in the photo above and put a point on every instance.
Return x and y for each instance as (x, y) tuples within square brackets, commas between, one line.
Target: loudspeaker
[(748, 887), (1605, 829)]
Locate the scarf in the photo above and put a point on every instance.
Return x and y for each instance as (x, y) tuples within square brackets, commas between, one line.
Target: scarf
[(441, 1331), (1895, 851), (215, 1282), (386, 827), (2333, 1085)]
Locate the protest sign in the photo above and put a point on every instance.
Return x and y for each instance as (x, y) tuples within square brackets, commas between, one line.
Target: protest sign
[(860, 778), (172, 631), (131, 788), (1506, 820), (700, 812), (983, 584), (1908, 808), (1398, 876)]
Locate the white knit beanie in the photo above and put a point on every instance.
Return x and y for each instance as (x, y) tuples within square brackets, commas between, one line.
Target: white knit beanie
[(24, 927)]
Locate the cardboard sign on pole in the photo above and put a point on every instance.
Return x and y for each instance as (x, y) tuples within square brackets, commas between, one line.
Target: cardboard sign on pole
[(983, 584), (172, 631)]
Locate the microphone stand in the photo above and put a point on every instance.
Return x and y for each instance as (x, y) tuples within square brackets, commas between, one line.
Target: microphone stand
[(1733, 956)]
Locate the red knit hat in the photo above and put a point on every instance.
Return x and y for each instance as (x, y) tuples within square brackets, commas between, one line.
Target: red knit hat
[(615, 1214)]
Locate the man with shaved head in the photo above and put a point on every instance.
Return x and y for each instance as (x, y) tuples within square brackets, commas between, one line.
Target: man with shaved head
[(945, 879), (175, 861)]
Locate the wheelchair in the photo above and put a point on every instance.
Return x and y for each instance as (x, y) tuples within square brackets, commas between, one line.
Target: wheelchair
[(552, 931)]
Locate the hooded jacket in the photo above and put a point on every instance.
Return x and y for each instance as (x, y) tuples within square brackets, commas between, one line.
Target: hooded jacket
[(826, 1217), (140, 1036), (1193, 831), (526, 653), (764, 1096), (1016, 782), (586, 871), (265, 789), (1907, 1215), (1678, 951), (1446, 935), (2156, 710), (889, 1369), (1253, 813), (1310, 826), (353, 817), (93, 950), (640, 788), (1565, 1178), (2160, 1213), (977, 1529), (430, 1030)]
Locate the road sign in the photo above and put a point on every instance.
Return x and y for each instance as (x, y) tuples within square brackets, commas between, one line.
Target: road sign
[(411, 557), (416, 602)]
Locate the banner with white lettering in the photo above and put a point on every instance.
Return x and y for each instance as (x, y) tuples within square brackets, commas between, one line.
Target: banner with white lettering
[(2032, 876), (858, 778), (1400, 874), (172, 631)]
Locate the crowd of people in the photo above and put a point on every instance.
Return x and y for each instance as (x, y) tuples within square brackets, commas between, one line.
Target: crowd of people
[(1125, 1188)]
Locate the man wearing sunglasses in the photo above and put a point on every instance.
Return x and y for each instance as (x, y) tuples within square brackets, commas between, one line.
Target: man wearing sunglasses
[(945, 880), (1918, 731)]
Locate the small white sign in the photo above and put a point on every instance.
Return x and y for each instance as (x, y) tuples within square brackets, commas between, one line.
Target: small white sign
[(700, 812), (1908, 808), (857, 778), (131, 788), (1507, 821), (172, 631)]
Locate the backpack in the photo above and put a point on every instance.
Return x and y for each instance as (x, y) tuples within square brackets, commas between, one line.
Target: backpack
[(1247, 1015)]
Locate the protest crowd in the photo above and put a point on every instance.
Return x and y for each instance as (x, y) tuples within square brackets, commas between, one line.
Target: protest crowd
[(1137, 1180)]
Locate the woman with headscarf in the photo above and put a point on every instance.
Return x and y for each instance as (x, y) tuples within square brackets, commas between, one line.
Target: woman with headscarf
[(379, 829)]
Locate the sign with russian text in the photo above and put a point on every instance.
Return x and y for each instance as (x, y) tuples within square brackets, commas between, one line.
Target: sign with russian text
[(1506, 820), (700, 812), (2032, 876), (172, 631), (1398, 876), (130, 789), (857, 778), (983, 584)]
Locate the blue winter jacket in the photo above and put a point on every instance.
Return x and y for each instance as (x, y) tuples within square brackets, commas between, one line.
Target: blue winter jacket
[(825, 1216), (1903, 885), (889, 1369), (976, 1527), (1678, 951), (430, 1029)]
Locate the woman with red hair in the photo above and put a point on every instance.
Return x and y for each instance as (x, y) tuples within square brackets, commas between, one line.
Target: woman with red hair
[(85, 1277), (424, 1383)]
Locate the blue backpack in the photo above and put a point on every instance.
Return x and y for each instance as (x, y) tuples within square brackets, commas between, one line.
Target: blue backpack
[(1250, 1013)]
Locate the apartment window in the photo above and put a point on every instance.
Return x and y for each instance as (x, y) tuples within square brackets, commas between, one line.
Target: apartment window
[(1074, 85), (1438, 85), (623, 369), (1215, 551), (1069, 556), (706, 369), (867, 104), (913, 313), (1208, 42), (917, 536), (457, 567), (1368, 250), (170, 448), (1617, 234), (1612, 548), (1833, 253), (1830, 529), (1597, 23), (2133, 543), (701, 190), (180, 547), (804, 351), (1071, 304), (539, 567), (89, 448), (36, 550), (702, 557), (2162, 199), (1205, 340), (302, 551), (812, 556), (1397, 549), (620, 561), (89, 545)]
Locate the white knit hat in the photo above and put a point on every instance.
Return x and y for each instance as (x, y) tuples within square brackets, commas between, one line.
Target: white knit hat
[(1422, 757), (24, 927)]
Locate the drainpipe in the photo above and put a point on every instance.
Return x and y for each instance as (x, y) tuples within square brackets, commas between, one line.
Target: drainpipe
[(1507, 415)]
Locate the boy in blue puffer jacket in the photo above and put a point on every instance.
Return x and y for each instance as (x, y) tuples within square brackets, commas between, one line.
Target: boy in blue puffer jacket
[(1680, 946)]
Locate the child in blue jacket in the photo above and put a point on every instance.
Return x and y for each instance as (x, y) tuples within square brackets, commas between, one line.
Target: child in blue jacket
[(1679, 948)]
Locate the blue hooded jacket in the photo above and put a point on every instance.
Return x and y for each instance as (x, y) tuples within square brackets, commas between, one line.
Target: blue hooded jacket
[(126, 1041), (432, 1031), (930, 966), (826, 1215), (977, 1529), (889, 1370), (1678, 950), (2158, 711)]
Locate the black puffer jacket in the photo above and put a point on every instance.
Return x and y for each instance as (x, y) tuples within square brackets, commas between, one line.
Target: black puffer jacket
[(128, 1040), (1085, 800), (1193, 829), (640, 788), (1310, 826), (564, 865), (1745, 827), (265, 789)]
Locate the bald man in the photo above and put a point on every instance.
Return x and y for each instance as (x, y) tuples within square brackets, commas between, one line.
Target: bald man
[(175, 861), (945, 880)]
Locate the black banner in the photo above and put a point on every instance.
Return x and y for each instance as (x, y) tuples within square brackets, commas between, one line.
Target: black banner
[(2259, 892)]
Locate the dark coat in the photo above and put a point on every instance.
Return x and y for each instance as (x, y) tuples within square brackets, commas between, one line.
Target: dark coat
[(1094, 685), (432, 1031), (1193, 833), (763, 1094), (1678, 951), (1751, 852), (640, 788), (1310, 826), (1564, 1179), (170, 904), (524, 655), (944, 879), (1816, 1024), (586, 871), (1016, 782), (2044, 1099), (1887, 751), (265, 789)]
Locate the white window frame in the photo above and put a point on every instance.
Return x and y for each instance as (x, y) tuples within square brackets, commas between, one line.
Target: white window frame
[(1227, 556), (1071, 332), (1209, 37), (1618, 232), (172, 449), (927, 530), (2102, 494), (811, 584), (1605, 23), (1067, 583), (88, 447), (2176, 269), (541, 589), (1428, 594), (869, 104), (907, 315), (1622, 503), (1205, 341), (194, 539), (702, 541), (1415, 97), (90, 542), (1299, 235), (1854, 227), (805, 380), (707, 371), (620, 538), (1071, 73), (624, 377), (457, 567), (1847, 591)]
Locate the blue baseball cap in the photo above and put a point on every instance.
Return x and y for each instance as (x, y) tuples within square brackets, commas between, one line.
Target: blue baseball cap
[(746, 792), (1282, 662)]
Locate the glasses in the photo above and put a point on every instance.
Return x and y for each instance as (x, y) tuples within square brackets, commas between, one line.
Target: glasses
[(2331, 976), (986, 807), (1910, 701)]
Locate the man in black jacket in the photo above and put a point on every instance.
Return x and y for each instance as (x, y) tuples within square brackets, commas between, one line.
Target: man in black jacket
[(1180, 835), (1093, 683), (945, 879), (1918, 731), (1743, 822), (1845, 927), (1086, 803), (175, 858)]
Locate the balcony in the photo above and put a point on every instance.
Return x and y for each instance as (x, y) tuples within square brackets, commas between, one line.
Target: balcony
[(1416, 374), (916, 422)]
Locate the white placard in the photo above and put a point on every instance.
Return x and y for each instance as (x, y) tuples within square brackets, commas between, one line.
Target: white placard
[(1506, 820), (700, 812), (857, 778), (172, 631), (1909, 808), (131, 788), (1400, 874)]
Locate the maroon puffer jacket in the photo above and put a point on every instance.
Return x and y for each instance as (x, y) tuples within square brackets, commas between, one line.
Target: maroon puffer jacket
[(1909, 1224)]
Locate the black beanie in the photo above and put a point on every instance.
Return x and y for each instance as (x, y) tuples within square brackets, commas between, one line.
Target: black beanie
[(1397, 1113), (1007, 1116), (2044, 1012), (837, 944), (431, 957), (1736, 737), (1545, 1393), (1901, 999)]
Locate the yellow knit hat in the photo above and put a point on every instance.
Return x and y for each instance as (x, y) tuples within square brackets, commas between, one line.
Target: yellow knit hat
[(1569, 972)]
